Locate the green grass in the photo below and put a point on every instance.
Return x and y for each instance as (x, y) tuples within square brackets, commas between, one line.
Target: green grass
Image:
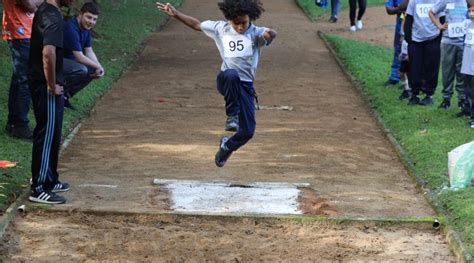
[(313, 11), (427, 134), (122, 26)]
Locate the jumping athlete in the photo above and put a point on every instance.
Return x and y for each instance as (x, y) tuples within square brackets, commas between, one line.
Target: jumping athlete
[(239, 42)]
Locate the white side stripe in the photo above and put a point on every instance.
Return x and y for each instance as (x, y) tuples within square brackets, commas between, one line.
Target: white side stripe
[(48, 137), (44, 196)]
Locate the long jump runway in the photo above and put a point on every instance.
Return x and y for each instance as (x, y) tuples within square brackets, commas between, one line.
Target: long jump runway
[(163, 120)]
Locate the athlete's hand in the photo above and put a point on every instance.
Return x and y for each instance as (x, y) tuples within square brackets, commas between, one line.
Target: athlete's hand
[(166, 8), (269, 34)]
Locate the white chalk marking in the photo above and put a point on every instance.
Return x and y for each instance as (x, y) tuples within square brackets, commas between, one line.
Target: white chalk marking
[(222, 183), (98, 185), (221, 197)]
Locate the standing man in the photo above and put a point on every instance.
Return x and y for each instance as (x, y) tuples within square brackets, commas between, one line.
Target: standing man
[(393, 8), (80, 62), (46, 84), (16, 30)]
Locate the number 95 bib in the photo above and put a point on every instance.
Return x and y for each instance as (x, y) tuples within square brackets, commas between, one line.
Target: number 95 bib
[(237, 46)]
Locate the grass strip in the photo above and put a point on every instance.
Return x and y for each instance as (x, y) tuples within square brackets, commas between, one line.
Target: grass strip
[(313, 11), (426, 134), (121, 28)]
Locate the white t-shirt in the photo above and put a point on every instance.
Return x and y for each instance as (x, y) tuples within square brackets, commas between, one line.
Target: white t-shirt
[(423, 28), (456, 13), (238, 51), (468, 53)]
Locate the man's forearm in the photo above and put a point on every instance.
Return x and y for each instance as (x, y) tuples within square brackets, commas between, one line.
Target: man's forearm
[(392, 10), (91, 55), (83, 59), (49, 66), (403, 5)]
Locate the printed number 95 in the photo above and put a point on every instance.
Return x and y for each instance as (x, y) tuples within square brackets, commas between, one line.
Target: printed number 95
[(236, 45)]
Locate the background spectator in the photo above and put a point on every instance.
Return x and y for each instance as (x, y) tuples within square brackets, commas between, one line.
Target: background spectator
[(80, 62), (352, 13), (393, 8), (334, 11), (17, 20)]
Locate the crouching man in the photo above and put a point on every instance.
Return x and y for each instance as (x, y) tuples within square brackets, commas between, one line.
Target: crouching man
[(81, 65)]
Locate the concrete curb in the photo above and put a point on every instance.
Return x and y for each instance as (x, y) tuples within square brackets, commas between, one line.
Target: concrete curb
[(12, 210), (452, 236)]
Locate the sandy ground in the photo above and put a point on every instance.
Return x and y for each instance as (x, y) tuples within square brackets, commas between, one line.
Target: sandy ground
[(145, 238), (163, 119)]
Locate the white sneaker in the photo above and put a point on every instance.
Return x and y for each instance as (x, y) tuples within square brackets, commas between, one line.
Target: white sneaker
[(353, 29), (359, 24)]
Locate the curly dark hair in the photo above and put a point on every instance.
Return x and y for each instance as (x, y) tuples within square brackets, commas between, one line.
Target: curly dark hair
[(234, 8)]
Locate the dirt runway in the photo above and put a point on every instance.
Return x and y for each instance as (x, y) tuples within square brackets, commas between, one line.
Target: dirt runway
[(163, 119)]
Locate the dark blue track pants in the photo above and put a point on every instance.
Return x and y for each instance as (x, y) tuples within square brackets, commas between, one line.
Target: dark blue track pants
[(48, 110), (239, 101), (424, 66)]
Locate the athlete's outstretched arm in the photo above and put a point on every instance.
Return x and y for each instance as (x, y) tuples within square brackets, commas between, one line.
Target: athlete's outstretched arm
[(185, 19)]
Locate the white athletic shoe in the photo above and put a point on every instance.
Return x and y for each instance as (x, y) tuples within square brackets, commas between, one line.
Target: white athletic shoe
[(353, 29), (359, 24)]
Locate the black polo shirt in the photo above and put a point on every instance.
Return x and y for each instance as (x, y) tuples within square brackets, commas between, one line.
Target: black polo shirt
[(47, 29)]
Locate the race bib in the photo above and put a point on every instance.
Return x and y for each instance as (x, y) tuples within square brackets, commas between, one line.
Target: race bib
[(423, 10), (469, 41), (456, 29), (237, 46)]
